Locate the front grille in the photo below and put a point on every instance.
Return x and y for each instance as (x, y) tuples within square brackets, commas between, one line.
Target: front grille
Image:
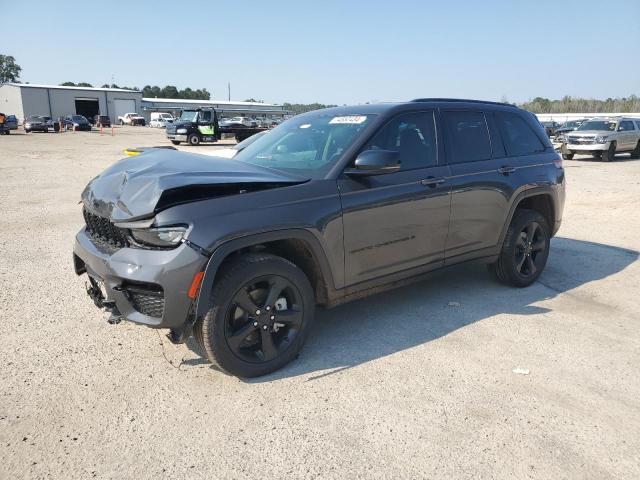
[(103, 231), (146, 300), (581, 140)]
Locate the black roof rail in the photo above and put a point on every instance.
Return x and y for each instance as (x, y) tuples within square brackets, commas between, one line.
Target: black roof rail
[(461, 100)]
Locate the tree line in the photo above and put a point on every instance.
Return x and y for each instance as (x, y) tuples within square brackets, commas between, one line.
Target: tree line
[(568, 104), (171, 91), (297, 108)]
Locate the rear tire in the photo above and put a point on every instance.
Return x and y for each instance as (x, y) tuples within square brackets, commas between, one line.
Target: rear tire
[(234, 336), (636, 151), (609, 155), (193, 139), (525, 250)]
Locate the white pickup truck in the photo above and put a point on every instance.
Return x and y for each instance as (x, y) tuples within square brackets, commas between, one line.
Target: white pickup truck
[(603, 138), (131, 119)]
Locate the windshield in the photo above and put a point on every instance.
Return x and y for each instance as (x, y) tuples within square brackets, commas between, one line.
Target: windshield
[(245, 143), (31, 119), (604, 125), (572, 124), (78, 118), (188, 116), (307, 145)]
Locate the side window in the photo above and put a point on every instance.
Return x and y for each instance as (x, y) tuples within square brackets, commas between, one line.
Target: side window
[(413, 136), (205, 115), (467, 135), (518, 137), (626, 125)]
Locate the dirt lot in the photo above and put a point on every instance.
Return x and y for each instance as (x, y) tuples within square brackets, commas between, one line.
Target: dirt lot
[(415, 383)]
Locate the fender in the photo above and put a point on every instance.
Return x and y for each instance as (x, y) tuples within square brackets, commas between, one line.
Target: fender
[(230, 246), (518, 198)]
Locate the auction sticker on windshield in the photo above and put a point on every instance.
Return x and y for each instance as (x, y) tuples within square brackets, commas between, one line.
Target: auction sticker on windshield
[(352, 119)]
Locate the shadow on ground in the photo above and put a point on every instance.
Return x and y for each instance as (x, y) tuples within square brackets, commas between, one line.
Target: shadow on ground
[(386, 323)]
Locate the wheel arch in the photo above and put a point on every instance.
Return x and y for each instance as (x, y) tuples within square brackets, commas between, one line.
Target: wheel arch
[(538, 199), (299, 246)]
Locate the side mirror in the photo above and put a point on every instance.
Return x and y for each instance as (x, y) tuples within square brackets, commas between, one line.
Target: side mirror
[(375, 162)]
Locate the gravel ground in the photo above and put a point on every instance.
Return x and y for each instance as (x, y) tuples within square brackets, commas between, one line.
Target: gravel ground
[(417, 383)]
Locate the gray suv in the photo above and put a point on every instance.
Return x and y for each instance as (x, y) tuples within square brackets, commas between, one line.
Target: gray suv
[(603, 138), (330, 206)]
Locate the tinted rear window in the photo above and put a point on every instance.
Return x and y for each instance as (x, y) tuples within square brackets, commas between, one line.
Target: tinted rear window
[(519, 138), (467, 135)]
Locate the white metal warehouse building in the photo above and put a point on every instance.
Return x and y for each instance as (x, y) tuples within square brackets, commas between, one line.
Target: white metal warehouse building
[(23, 100)]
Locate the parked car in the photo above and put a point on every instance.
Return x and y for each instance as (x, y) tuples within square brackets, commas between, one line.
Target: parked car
[(231, 152), (77, 122), (550, 128), (102, 121), (48, 121), (4, 129), (603, 138), (131, 119), (238, 122), (333, 205), (11, 122), (569, 126), (160, 119), (35, 123)]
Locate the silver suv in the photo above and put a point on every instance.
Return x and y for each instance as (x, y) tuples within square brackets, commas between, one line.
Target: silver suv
[(603, 138)]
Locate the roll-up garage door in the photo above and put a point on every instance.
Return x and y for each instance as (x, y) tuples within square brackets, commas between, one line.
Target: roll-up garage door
[(120, 107)]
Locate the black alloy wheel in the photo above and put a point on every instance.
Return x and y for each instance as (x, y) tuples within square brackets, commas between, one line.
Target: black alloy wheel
[(263, 319), (262, 308), (530, 249), (525, 250)]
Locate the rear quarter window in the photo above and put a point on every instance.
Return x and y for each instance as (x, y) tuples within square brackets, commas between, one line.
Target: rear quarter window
[(518, 137)]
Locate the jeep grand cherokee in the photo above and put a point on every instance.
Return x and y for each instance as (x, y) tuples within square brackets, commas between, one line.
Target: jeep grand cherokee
[(330, 206)]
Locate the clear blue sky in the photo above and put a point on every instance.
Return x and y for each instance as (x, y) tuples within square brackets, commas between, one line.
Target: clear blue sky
[(334, 51)]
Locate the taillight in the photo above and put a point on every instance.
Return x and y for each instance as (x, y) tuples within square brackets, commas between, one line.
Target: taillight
[(558, 162)]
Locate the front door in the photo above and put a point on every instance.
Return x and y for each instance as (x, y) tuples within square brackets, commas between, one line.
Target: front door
[(397, 221), (626, 135)]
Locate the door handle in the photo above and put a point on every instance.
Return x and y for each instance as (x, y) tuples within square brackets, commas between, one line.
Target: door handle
[(432, 181), (506, 170)]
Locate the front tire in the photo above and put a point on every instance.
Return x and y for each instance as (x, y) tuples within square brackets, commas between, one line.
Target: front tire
[(609, 155), (262, 309), (175, 142), (566, 154), (193, 140), (525, 250)]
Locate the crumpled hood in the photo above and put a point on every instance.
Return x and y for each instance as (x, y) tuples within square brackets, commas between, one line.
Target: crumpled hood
[(139, 186)]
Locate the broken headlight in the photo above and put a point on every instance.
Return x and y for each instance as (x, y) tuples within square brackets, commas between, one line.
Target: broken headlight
[(166, 237)]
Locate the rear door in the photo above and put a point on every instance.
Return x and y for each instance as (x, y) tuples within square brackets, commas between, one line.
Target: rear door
[(398, 221), (484, 181)]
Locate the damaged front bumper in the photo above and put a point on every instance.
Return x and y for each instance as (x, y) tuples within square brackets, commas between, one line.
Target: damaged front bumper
[(150, 287)]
